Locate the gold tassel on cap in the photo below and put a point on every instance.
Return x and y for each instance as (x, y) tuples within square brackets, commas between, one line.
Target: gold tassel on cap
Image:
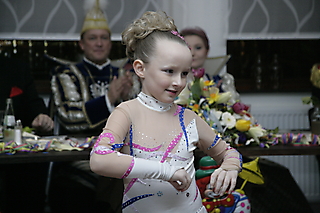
[(95, 19)]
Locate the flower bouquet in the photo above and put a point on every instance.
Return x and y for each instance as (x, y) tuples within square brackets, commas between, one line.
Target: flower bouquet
[(232, 121)]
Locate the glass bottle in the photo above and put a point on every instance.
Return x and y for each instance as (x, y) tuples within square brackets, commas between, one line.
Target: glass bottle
[(8, 122), (18, 132), (315, 120)]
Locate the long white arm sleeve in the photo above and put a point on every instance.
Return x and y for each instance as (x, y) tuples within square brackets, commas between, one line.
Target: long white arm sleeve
[(143, 168)]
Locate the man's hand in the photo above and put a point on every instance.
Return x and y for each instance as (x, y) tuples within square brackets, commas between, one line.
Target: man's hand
[(120, 88), (42, 123), (223, 180), (127, 85), (180, 180)]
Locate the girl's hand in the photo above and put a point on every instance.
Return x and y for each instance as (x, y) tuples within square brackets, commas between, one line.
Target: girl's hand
[(180, 180), (223, 180)]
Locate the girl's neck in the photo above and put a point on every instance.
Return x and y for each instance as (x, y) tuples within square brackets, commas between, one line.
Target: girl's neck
[(153, 103)]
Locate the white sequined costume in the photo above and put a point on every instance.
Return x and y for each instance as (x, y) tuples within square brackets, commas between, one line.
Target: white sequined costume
[(167, 133)]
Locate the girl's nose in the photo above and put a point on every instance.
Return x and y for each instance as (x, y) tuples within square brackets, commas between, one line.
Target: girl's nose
[(177, 81)]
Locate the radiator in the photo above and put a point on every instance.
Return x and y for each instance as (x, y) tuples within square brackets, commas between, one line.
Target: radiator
[(304, 169), (283, 120)]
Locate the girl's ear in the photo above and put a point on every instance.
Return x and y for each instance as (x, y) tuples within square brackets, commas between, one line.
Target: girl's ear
[(139, 68)]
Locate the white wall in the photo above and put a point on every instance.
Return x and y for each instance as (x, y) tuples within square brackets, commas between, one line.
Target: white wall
[(283, 110), (211, 16)]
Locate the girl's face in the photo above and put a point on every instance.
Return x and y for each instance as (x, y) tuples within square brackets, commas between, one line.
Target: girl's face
[(198, 50), (165, 76)]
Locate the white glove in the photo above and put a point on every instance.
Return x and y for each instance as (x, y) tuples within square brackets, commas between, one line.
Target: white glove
[(152, 170)]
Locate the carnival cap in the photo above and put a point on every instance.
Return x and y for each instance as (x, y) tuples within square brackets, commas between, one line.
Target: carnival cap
[(95, 19)]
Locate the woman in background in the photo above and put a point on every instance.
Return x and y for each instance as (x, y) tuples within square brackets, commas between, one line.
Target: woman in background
[(198, 42)]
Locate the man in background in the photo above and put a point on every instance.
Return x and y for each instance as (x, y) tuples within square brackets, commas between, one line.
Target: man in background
[(84, 95)]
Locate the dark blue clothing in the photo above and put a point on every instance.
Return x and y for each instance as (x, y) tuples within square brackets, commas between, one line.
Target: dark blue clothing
[(79, 96)]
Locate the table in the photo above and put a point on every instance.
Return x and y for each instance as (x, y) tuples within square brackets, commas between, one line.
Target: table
[(41, 157), (272, 150), (280, 150), (24, 169), (55, 156), (251, 190)]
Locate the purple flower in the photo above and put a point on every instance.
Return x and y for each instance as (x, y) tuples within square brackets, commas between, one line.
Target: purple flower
[(198, 73), (240, 108), (242, 138)]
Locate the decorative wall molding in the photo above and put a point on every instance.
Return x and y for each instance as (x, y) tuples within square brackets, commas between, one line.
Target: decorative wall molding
[(273, 19), (62, 19)]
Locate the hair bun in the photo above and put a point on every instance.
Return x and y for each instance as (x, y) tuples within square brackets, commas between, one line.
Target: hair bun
[(149, 22)]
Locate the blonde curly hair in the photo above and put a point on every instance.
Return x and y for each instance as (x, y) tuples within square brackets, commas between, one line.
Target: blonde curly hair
[(140, 37)]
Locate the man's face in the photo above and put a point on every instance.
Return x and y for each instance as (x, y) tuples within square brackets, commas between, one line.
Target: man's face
[(96, 45)]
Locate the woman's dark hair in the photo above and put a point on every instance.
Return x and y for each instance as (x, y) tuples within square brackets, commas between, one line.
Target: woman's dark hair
[(198, 32)]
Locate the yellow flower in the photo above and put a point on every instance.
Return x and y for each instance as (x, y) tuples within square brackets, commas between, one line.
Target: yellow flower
[(213, 95), (195, 108), (224, 97), (208, 83), (203, 83), (243, 125), (213, 98), (206, 87)]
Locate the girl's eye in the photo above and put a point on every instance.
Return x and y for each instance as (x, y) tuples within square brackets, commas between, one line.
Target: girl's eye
[(184, 74), (198, 48), (169, 71)]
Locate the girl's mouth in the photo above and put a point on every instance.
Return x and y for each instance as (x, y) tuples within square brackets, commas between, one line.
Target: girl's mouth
[(172, 91)]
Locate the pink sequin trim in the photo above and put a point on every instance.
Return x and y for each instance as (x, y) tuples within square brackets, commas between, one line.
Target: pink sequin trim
[(170, 147), (177, 111), (101, 151), (130, 185), (129, 169), (105, 135), (143, 148), (177, 34)]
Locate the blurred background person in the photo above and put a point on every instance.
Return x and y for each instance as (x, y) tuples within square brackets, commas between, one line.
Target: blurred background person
[(17, 81), (84, 95), (198, 42), (23, 184)]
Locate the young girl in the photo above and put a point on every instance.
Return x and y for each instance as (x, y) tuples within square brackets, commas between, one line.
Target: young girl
[(149, 141)]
